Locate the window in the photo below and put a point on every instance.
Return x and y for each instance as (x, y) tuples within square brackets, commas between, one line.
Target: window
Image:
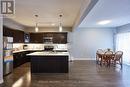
[(123, 44)]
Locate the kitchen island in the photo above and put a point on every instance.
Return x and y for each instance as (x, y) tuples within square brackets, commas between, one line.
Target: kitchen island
[(49, 62)]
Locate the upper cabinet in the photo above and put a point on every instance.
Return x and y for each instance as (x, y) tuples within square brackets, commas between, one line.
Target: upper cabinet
[(49, 37), (18, 36), (60, 38), (7, 32), (36, 37), (46, 37)]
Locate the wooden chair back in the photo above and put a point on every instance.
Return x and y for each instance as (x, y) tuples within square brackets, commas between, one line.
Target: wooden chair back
[(100, 51), (108, 55), (118, 55)]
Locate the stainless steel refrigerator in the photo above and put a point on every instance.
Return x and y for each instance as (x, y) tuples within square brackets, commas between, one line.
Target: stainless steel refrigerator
[(7, 55)]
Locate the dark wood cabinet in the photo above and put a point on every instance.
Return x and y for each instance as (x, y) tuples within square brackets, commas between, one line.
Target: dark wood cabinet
[(18, 36), (21, 58), (48, 34), (36, 37), (58, 37), (7, 32)]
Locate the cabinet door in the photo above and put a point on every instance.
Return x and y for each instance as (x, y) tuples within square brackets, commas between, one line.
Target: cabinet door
[(36, 37), (18, 36), (7, 32), (17, 59), (48, 34), (15, 37), (60, 38), (21, 35)]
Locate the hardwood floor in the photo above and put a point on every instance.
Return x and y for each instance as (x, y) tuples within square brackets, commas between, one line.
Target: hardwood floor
[(81, 74)]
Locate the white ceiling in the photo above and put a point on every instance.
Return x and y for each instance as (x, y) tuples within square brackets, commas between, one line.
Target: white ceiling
[(118, 11), (48, 11)]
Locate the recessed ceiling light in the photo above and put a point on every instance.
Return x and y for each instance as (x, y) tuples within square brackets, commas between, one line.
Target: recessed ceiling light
[(104, 22), (53, 24)]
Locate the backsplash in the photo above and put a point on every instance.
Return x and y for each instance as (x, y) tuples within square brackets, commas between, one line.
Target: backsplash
[(19, 46), (35, 46)]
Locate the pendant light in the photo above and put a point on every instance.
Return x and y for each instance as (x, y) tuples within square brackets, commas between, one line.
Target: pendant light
[(36, 27), (60, 24)]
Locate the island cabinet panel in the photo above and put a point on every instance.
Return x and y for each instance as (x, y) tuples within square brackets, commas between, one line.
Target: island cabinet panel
[(49, 64), (36, 37)]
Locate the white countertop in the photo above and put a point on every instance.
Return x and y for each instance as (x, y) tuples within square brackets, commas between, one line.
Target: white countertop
[(49, 54), (26, 50), (36, 50), (19, 51)]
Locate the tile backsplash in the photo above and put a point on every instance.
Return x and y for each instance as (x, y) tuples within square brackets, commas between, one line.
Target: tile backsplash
[(35, 46), (18, 46), (39, 46)]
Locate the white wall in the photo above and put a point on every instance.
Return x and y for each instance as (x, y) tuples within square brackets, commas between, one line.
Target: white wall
[(1, 49), (86, 41)]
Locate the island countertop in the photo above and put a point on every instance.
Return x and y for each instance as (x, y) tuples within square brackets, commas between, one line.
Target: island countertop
[(49, 54)]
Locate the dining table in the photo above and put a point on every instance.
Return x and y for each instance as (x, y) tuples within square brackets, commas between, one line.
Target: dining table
[(106, 58)]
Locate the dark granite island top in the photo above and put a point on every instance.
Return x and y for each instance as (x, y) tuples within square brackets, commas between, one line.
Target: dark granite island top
[(49, 62)]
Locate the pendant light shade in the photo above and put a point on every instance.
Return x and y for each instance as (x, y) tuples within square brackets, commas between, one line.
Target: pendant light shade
[(60, 28), (60, 24), (36, 27)]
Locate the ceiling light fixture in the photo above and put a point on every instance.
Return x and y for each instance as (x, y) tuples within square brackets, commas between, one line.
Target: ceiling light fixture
[(104, 22), (36, 27), (53, 24), (60, 24)]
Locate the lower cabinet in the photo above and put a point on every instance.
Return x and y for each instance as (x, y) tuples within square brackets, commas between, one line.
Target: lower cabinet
[(20, 58)]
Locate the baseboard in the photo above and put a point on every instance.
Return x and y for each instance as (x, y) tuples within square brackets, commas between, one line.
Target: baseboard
[(84, 59), (1, 81)]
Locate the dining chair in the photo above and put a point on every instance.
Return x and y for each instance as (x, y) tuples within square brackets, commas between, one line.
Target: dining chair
[(118, 58), (98, 56), (108, 55), (108, 49)]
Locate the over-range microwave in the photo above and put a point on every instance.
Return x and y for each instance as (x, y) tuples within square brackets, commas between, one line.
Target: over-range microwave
[(48, 40)]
